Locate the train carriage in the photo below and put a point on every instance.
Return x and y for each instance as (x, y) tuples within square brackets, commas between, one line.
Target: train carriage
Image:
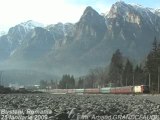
[(122, 90), (59, 91), (92, 91), (79, 91), (70, 91), (106, 90)]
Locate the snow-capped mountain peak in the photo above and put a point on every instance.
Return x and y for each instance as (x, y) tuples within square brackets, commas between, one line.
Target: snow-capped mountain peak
[(31, 24), (132, 13)]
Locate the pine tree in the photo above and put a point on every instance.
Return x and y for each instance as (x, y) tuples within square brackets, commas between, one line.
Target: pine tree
[(139, 76), (67, 82), (116, 68), (72, 82), (80, 83), (43, 84), (127, 74)]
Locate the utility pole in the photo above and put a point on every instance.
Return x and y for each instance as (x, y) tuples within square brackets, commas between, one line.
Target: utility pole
[(66, 86), (133, 78), (56, 84), (0, 78), (149, 80), (1, 73), (126, 81), (158, 79), (84, 85)]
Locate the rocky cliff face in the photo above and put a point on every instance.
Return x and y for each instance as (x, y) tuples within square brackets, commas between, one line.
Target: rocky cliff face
[(132, 28)]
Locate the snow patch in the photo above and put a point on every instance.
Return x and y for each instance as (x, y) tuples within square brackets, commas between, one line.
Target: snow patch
[(134, 35), (31, 25), (117, 24), (122, 35), (12, 52)]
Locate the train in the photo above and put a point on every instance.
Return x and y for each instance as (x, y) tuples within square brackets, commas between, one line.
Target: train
[(106, 90)]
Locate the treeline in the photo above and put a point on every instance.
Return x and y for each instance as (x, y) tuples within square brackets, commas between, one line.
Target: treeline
[(120, 72), (7, 90), (4, 90), (67, 82)]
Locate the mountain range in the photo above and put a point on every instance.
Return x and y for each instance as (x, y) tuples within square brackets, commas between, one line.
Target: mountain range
[(89, 43)]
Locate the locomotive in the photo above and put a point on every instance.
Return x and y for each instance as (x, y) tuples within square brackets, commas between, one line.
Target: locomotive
[(106, 90)]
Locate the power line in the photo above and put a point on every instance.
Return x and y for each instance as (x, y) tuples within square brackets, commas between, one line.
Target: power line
[(1, 72)]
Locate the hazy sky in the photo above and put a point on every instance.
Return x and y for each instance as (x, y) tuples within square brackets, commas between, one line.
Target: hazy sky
[(13, 12)]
